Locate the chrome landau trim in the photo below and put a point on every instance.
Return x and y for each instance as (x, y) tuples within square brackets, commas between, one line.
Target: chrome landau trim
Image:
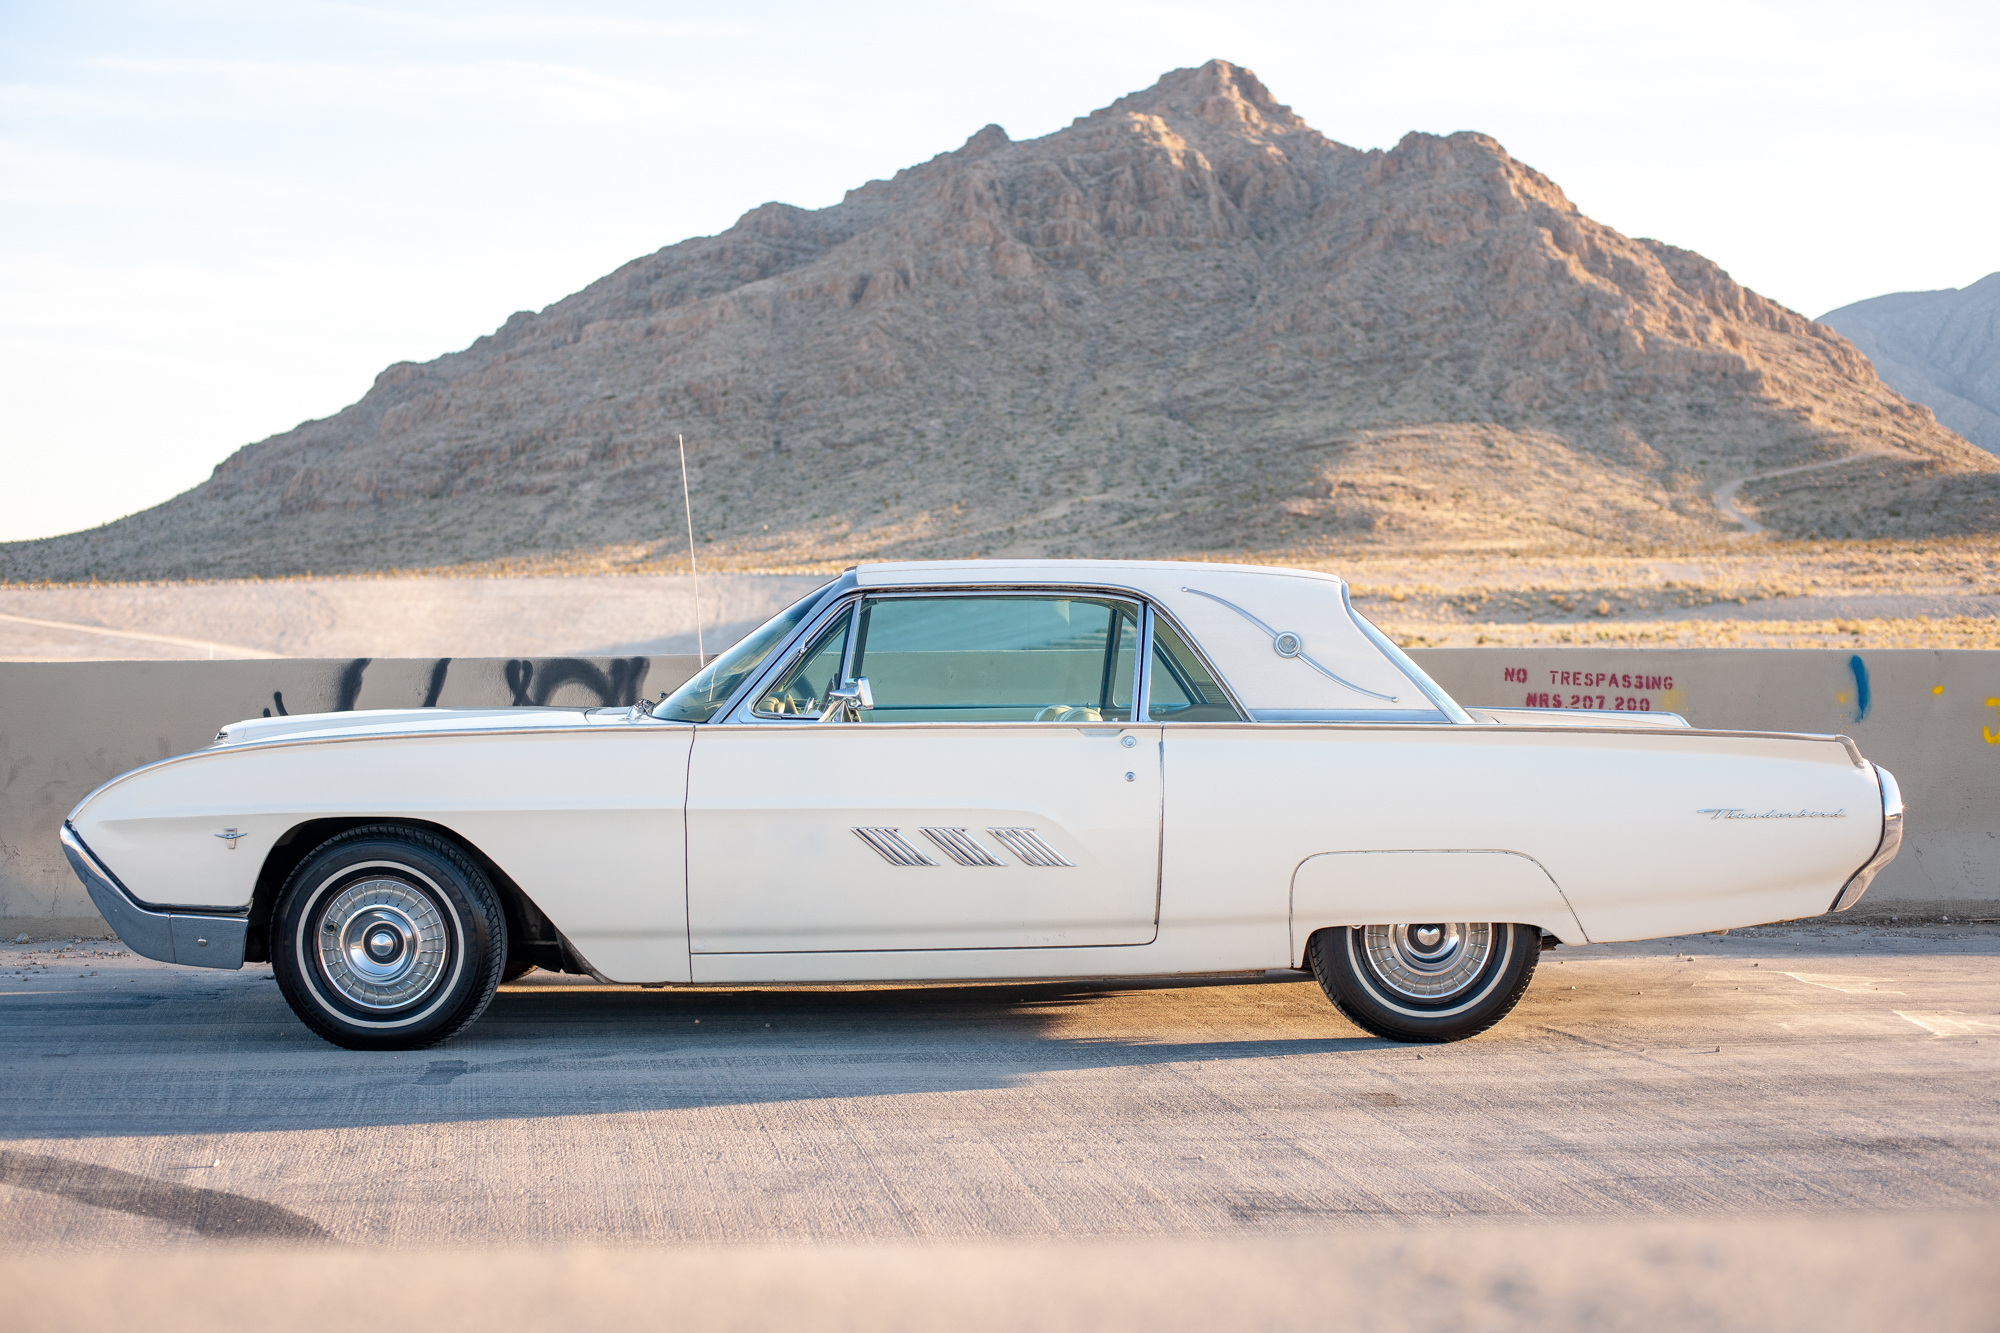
[(1288, 643), (197, 939), (1885, 850)]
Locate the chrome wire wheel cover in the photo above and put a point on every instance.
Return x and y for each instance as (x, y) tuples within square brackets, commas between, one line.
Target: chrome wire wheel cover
[(1428, 961), (382, 944)]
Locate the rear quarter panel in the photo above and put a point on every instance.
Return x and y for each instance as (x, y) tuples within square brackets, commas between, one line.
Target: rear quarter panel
[(1610, 816)]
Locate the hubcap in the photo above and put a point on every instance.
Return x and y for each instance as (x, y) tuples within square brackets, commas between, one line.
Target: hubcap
[(382, 944), (1430, 960)]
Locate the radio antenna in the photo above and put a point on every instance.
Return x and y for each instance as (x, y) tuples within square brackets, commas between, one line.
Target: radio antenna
[(694, 575)]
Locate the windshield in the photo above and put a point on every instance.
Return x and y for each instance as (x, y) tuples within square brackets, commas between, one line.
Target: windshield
[(710, 688)]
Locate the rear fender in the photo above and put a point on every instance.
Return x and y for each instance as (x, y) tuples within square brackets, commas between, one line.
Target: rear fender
[(1381, 888)]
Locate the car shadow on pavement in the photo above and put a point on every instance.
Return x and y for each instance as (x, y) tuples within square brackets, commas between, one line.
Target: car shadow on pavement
[(232, 1058)]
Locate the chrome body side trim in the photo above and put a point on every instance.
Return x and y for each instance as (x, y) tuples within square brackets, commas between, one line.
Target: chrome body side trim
[(198, 939), (960, 846), (1028, 845), (1885, 851), (889, 843), (1411, 715)]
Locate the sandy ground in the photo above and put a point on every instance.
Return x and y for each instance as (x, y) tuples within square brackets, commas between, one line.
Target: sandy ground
[(1662, 1133), (601, 616), (1862, 595), (1752, 595)]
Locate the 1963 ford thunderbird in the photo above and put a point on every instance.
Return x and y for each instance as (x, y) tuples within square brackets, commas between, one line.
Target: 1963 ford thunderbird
[(979, 769)]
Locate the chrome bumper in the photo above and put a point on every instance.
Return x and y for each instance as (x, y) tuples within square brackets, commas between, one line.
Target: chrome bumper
[(1885, 851), (197, 939)]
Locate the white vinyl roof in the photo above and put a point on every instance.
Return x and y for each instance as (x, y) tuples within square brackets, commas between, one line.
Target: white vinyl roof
[(1284, 640)]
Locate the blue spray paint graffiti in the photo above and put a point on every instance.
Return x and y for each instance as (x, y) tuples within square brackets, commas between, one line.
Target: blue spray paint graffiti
[(1860, 671)]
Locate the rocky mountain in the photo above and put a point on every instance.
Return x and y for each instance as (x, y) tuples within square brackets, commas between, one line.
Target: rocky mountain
[(1186, 323), (1941, 349)]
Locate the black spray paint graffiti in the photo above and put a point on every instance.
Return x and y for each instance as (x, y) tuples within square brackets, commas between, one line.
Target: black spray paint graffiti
[(345, 694), (438, 670), (531, 683), (534, 686)]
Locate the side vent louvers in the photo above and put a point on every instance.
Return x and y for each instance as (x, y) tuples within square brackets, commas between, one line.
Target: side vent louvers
[(894, 850), (1028, 845), (960, 847)]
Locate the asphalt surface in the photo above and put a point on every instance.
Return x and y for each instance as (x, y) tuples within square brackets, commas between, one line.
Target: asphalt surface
[(1713, 1087)]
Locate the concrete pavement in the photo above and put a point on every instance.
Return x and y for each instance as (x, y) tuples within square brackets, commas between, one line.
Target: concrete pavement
[(1784, 1128), (1773, 1071)]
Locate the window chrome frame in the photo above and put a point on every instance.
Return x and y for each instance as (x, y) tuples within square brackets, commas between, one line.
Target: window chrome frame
[(741, 710), (1193, 645), (794, 651)]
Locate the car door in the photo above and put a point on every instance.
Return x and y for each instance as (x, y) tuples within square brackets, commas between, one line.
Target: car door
[(992, 792)]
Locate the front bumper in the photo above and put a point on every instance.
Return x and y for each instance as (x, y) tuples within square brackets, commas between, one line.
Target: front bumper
[(198, 939), (1885, 851)]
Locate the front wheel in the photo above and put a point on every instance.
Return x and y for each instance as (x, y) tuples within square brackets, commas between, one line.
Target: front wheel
[(388, 939), (1432, 981)]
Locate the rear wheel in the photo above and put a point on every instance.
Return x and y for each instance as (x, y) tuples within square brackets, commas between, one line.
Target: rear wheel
[(1433, 981), (388, 938)]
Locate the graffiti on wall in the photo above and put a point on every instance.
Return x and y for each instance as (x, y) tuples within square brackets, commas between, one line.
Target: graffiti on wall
[(530, 683)]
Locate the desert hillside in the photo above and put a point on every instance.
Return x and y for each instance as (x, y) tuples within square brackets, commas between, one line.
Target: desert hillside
[(1941, 349), (1188, 323)]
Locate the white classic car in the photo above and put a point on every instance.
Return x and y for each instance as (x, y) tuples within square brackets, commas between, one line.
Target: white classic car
[(977, 770)]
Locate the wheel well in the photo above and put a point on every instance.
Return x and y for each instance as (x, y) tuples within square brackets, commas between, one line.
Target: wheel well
[(530, 936), (1547, 937)]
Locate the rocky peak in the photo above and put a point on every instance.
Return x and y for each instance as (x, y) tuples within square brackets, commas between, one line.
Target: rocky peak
[(1219, 94), (1185, 324)]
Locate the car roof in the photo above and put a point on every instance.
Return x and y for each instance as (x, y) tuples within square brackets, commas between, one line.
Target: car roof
[(1145, 575)]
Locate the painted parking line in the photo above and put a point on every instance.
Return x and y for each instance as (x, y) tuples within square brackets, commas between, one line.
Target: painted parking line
[(1951, 1024)]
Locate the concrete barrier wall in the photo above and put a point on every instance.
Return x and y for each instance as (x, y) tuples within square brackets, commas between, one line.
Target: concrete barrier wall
[(1930, 717)]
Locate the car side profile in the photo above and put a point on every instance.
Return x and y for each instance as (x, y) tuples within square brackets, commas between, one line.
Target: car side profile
[(977, 770)]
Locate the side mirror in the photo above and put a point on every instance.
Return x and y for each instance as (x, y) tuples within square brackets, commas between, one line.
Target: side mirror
[(845, 704)]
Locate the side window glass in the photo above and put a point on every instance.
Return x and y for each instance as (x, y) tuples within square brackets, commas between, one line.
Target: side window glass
[(1182, 689), (802, 691), (998, 659)]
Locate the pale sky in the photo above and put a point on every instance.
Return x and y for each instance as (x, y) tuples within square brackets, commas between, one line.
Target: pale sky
[(220, 219)]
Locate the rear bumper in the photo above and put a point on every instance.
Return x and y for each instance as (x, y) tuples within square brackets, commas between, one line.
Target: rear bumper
[(198, 939), (1885, 851)]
